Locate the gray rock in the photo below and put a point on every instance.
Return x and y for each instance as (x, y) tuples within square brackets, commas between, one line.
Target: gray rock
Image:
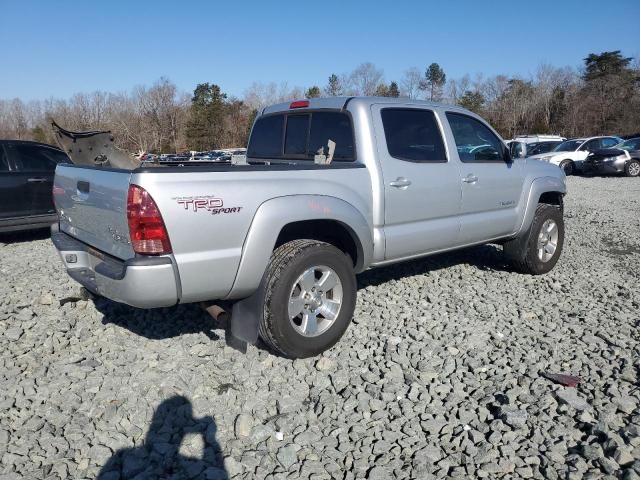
[(608, 465), (232, 466), (243, 425), (378, 473), (514, 417), (623, 456), (325, 363), (570, 397), (13, 333), (287, 456)]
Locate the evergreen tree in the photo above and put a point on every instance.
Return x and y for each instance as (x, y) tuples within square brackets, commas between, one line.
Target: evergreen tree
[(334, 87), (434, 80), (313, 92), (473, 101), (382, 90), (605, 63), (394, 91), (205, 129)]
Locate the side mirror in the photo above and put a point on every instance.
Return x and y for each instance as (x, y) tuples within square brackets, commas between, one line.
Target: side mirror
[(517, 150)]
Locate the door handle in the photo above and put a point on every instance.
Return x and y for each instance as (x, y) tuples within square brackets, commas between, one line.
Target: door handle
[(400, 182), (36, 180), (471, 178)]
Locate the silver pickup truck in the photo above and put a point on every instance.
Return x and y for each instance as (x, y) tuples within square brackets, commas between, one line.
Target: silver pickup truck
[(330, 187)]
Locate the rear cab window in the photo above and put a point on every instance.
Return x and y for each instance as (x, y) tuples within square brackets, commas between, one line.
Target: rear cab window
[(301, 136)]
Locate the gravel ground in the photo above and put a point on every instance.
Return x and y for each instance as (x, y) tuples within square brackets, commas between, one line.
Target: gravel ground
[(439, 376)]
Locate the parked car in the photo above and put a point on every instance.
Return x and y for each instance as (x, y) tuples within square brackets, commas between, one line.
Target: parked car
[(623, 158), (541, 147), (26, 182), (570, 155), (334, 186)]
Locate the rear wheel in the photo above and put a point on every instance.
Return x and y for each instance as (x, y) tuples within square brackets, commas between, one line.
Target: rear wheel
[(309, 298), (632, 168), (567, 167), (537, 251)]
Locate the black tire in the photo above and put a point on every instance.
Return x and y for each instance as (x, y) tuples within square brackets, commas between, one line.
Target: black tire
[(287, 264), (632, 168), (568, 167), (522, 252)]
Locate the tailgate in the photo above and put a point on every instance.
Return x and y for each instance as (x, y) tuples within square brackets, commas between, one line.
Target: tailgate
[(92, 207)]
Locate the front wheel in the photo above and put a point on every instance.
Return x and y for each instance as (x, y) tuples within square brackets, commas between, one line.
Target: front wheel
[(309, 298), (567, 167), (537, 251), (632, 168)]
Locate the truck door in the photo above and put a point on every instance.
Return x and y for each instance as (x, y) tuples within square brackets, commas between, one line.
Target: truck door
[(421, 185), (491, 184), (35, 167)]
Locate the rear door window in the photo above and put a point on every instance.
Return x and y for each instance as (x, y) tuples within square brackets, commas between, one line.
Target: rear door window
[(34, 158), (475, 142), (413, 135)]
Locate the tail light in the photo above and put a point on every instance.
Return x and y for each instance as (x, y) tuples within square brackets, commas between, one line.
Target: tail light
[(146, 228)]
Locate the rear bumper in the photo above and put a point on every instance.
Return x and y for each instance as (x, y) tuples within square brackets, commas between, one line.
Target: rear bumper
[(143, 282)]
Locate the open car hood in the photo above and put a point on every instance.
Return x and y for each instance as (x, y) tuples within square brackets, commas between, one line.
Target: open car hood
[(96, 149)]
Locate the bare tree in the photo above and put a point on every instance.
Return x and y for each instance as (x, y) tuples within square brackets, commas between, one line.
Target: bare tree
[(364, 80), (410, 83)]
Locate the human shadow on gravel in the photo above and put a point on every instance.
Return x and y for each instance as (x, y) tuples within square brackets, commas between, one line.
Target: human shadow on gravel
[(25, 236), (484, 257), (165, 452)]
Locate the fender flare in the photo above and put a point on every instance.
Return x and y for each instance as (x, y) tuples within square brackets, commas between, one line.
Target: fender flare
[(273, 215), (538, 187)]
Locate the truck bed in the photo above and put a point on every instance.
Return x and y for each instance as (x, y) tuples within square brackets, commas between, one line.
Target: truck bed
[(207, 209)]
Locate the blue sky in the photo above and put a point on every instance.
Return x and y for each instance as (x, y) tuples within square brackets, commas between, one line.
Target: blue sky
[(60, 48)]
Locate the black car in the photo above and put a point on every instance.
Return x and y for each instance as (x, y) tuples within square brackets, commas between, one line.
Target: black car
[(26, 183), (623, 158)]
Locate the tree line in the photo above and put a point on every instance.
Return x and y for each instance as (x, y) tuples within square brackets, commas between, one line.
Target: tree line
[(602, 97)]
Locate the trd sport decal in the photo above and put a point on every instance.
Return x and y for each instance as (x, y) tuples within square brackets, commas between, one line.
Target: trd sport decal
[(212, 204)]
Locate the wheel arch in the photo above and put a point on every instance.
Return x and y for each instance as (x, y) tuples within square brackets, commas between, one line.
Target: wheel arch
[(315, 217), (547, 190), (332, 231)]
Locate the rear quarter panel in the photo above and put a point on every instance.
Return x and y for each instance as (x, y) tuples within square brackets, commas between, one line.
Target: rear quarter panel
[(207, 240)]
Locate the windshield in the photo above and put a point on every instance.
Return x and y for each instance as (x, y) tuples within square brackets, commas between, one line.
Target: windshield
[(568, 146), (632, 144)]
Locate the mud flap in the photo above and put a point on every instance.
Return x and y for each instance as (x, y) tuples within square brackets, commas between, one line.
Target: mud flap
[(246, 315)]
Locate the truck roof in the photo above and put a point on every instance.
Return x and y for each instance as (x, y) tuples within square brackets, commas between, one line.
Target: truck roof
[(340, 103)]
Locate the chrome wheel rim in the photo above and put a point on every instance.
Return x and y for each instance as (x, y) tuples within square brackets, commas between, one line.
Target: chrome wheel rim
[(315, 301), (548, 240), (634, 169)]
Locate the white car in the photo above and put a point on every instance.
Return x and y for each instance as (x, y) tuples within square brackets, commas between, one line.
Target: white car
[(570, 154)]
